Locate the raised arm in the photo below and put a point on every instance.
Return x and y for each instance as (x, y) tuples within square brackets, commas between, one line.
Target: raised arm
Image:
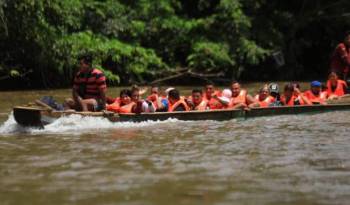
[(344, 55)]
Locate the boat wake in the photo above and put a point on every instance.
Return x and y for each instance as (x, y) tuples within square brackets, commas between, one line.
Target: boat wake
[(73, 124)]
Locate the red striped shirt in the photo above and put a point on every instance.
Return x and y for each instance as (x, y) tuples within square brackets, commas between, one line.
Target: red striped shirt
[(90, 83)]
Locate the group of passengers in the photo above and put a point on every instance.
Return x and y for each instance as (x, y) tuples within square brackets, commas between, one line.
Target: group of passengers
[(212, 98), (89, 94)]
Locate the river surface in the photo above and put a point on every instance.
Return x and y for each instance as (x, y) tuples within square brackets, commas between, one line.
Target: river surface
[(298, 159)]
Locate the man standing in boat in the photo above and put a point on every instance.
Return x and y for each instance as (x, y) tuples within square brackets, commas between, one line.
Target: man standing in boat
[(340, 61), (89, 88)]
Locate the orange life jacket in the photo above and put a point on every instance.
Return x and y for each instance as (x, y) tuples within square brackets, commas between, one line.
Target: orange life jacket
[(153, 98), (127, 108), (265, 103), (213, 103), (115, 106), (241, 98), (321, 98), (201, 106), (339, 90), (292, 100), (182, 102)]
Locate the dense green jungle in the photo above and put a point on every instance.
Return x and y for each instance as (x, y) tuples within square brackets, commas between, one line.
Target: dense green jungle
[(168, 41)]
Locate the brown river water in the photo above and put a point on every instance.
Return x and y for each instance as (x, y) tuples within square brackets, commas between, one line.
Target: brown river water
[(298, 159)]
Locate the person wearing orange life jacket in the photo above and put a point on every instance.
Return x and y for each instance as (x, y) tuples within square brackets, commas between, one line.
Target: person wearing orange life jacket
[(275, 93), (196, 101), (292, 96), (335, 87), (160, 102), (123, 99), (137, 105), (315, 94), (212, 96), (175, 102), (240, 98), (264, 98), (225, 97)]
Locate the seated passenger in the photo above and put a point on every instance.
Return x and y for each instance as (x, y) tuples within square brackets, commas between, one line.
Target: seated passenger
[(123, 99), (264, 98), (274, 92), (175, 102), (137, 105), (196, 101), (225, 98), (292, 96), (212, 97), (159, 102), (315, 94), (335, 87), (240, 97)]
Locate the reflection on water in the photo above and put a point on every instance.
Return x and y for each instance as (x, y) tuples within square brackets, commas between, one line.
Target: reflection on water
[(301, 159)]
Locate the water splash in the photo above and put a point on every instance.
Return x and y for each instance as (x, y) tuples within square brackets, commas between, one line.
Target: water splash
[(10, 126), (74, 124)]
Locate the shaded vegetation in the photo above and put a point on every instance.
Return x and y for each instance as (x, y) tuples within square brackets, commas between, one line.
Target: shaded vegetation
[(142, 40)]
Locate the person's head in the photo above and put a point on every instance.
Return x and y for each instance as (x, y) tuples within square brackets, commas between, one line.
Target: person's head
[(333, 77), (125, 96), (155, 90), (173, 96), (197, 96), (209, 89), (296, 85), (263, 92), (135, 94), (316, 87), (289, 90), (168, 90), (85, 61), (347, 39), (235, 88), (227, 93), (274, 90)]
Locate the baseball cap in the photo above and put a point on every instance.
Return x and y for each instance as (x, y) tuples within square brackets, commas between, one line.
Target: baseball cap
[(273, 88), (316, 84)]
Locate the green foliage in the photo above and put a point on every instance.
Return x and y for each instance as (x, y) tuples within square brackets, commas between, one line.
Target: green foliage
[(136, 41), (250, 52), (133, 59), (210, 57)]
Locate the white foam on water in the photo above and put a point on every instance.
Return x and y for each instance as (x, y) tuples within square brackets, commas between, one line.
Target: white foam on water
[(10, 126), (74, 124)]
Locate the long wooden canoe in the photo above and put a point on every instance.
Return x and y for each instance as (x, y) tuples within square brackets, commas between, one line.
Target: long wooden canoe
[(38, 117)]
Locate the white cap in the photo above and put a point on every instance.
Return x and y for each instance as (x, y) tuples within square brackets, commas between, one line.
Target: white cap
[(225, 99), (168, 90), (227, 93)]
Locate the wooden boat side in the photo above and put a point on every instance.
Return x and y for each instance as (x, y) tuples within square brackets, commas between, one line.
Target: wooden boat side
[(38, 117), (28, 116), (289, 110), (189, 116), (231, 114)]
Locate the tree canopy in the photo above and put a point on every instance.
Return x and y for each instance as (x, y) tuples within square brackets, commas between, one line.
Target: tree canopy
[(141, 40)]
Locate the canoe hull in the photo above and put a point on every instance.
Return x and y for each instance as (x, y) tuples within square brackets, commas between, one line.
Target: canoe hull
[(28, 117), (273, 111), (186, 116), (36, 117)]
